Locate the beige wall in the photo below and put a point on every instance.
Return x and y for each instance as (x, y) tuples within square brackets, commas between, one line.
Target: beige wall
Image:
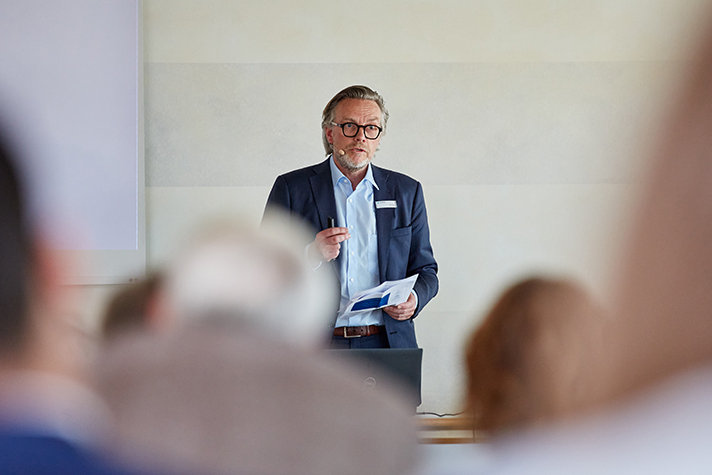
[(525, 121)]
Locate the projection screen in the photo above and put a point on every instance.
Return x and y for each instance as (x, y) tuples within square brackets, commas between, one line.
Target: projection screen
[(71, 88)]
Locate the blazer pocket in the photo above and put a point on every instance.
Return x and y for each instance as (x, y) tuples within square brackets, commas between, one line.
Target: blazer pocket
[(399, 251), (401, 232)]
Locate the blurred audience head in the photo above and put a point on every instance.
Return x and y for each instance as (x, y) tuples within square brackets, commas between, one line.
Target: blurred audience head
[(222, 401), (15, 256), (38, 320), (655, 375), (664, 303), (130, 308), (255, 279), (524, 363)]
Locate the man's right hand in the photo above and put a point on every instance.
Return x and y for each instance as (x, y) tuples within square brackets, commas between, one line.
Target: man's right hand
[(326, 245)]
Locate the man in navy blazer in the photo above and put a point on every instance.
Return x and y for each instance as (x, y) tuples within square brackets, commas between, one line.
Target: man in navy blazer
[(371, 223)]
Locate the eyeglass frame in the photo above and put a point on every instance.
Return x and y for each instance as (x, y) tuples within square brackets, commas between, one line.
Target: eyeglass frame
[(358, 128)]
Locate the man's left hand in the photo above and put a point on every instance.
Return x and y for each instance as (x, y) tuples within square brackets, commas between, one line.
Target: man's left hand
[(402, 311)]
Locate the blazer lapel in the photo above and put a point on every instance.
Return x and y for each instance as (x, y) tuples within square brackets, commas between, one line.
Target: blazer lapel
[(386, 191), (323, 192)]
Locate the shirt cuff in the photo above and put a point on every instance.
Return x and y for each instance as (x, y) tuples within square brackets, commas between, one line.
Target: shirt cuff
[(306, 257), (416, 297)]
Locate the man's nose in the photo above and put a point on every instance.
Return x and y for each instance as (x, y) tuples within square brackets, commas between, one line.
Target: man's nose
[(361, 134)]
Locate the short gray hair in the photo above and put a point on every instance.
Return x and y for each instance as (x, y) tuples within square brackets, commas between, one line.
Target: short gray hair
[(258, 280), (351, 92)]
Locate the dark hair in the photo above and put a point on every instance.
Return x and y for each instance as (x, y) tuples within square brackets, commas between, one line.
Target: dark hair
[(523, 362), (15, 256), (127, 309)]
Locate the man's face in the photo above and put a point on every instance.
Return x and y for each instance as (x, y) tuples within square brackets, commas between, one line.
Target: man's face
[(358, 150)]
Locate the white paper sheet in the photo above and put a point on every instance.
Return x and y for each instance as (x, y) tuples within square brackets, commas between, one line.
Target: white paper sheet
[(391, 292)]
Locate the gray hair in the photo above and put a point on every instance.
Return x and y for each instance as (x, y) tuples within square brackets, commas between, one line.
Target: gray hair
[(351, 92), (258, 280)]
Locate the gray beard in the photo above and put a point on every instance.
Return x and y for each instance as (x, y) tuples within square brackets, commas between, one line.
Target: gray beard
[(347, 164)]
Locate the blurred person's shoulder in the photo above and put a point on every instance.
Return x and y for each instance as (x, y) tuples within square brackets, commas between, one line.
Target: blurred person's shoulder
[(665, 429), (26, 453)]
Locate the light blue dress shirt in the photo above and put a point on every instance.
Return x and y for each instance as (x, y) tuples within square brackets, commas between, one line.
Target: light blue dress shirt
[(358, 269)]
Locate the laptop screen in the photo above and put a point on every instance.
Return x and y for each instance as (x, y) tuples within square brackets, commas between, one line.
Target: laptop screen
[(401, 366)]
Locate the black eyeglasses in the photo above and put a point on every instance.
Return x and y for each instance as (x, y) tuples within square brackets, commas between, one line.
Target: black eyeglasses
[(349, 129)]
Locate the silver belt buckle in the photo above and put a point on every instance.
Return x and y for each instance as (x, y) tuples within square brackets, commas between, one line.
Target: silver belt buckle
[(352, 336)]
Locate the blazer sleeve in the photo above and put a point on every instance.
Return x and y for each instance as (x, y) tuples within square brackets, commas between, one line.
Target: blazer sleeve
[(279, 196), (421, 260)]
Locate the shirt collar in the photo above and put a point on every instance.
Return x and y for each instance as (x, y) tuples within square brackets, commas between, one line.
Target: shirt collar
[(336, 174)]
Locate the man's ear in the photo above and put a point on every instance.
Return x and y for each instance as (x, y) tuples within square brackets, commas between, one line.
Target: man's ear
[(57, 340), (49, 269), (329, 134), (52, 296)]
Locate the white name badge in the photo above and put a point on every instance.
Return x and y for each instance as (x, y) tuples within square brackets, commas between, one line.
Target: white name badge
[(386, 204)]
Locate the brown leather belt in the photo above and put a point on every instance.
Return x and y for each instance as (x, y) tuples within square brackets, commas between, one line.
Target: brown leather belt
[(355, 332)]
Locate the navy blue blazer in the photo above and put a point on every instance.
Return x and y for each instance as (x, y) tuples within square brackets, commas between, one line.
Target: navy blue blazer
[(403, 234), (28, 454)]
